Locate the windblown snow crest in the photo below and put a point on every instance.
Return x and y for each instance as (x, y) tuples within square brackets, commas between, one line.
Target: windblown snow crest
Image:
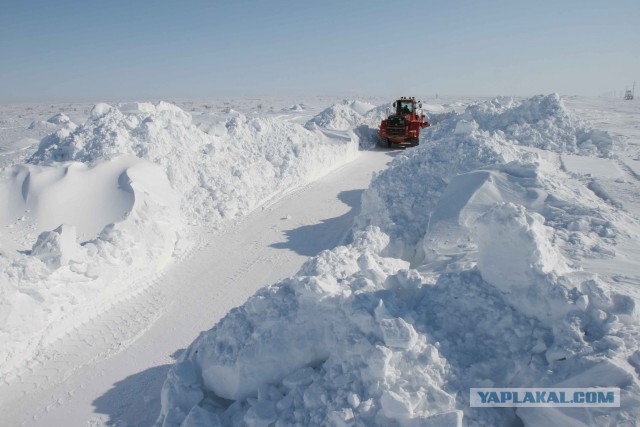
[(464, 271), (101, 204)]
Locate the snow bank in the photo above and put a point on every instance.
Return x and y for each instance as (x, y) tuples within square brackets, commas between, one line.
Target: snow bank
[(317, 349), (98, 228), (100, 205), (542, 121), (218, 176), (464, 271), (360, 119), (401, 200)]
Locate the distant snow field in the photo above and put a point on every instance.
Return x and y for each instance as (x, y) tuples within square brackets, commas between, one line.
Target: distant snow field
[(503, 251)]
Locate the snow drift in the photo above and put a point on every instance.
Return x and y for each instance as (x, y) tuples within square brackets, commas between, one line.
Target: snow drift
[(100, 205), (464, 271), (97, 227), (402, 199), (542, 122), (218, 177)]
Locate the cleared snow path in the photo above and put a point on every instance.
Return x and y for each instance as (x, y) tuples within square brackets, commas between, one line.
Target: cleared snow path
[(110, 370)]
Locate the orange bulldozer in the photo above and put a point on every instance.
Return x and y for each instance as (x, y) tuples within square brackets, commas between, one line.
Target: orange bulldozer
[(403, 126)]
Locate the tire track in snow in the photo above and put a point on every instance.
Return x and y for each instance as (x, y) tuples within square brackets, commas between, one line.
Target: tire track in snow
[(113, 330), (103, 335), (628, 170), (96, 338)]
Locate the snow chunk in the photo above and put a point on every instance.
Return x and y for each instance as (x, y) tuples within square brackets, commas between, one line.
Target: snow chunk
[(60, 119), (515, 255), (514, 249), (294, 108), (100, 110), (464, 127), (313, 347), (56, 248)]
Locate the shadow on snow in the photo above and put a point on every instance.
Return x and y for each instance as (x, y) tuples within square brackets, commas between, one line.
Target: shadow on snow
[(135, 400), (309, 240)]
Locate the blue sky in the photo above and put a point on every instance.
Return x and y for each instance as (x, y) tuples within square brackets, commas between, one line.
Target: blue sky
[(108, 50)]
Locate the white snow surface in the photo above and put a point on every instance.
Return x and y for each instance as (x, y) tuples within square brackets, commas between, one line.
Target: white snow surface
[(471, 264), (100, 206)]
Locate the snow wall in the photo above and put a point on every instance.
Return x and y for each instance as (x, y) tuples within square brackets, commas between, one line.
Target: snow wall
[(100, 206), (463, 271)]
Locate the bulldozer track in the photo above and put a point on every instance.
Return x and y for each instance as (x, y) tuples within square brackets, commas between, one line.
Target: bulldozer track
[(628, 170)]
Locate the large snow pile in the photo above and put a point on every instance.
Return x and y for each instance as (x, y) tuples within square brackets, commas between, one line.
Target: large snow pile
[(464, 271), (542, 121), (217, 176), (401, 200), (102, 204), (341, 117)]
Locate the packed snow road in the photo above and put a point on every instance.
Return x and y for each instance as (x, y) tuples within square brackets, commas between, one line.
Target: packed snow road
[(110, 370)]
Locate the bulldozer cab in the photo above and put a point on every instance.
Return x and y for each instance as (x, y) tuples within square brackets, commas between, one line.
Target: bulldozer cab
[(404, 107)]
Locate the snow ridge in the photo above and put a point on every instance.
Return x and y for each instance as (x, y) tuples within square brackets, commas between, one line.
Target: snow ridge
[(542, 122), (133, 177), (218, 176)]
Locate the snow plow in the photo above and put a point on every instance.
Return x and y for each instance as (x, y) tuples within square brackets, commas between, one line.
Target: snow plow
[(403, 126)]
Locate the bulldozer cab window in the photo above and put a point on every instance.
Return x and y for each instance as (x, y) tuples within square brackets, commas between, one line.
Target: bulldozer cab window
[(405, 107)]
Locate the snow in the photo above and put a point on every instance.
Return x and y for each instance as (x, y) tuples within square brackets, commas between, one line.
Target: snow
[(294, 107), (58, 247), (470, 265), (500, 252), (543, 122), (99, 206), (218, 177), (604, 168), (342, 116), (91, 226)]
